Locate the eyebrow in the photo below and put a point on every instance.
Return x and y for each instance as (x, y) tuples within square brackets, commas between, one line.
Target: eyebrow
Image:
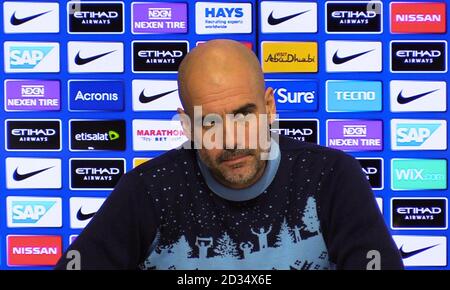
[(247, 108)]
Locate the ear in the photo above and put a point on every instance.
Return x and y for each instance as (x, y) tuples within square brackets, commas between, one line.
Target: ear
[(269, 101), (185, 123)]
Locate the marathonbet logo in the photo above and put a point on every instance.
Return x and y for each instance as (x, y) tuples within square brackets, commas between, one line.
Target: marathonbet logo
[(354, 17), (157, 56), (95, 17), (419, 56), (157, 135), (97, 135)]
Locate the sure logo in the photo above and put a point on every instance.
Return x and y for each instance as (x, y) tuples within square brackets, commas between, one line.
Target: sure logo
[(295, 94)]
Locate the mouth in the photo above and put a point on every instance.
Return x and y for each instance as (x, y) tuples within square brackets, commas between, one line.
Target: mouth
[(236, 160)]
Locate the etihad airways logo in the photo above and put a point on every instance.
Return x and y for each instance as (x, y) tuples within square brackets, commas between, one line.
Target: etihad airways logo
[(419, 56), (95, 173), (289, 56), (95, 17), (158, 56), (288, 17), (354, 16), (418, 17)]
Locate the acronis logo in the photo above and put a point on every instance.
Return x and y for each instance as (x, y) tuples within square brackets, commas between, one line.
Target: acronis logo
[(27, 57), (30, 211)]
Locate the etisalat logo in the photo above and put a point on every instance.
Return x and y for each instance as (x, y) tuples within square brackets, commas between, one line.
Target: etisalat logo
[(97, 135)]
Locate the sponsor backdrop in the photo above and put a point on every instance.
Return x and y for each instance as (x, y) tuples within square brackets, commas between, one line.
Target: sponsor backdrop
[(89, 89)]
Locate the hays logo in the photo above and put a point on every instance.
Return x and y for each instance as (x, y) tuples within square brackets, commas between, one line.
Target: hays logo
[(418, 174), (288, 17), (95, 174), (21, 17), (96, 95), (90, 57), (31, 57), (374, 170), (216, 18), (97, 135), (39, 135), (355, 135), (422, 250), (409, 134), (30, 212), (353, 56), (288, 56), (95, 17), (33, 250), (353, 96), (428, 213), (418, 96), (294, 94), (155, 95), (419, 17), (158, 56), (32, 95), (157, 135), (83, 209), (159, 18), (419, 56), (305, 130), (33, 173), (354, 17)]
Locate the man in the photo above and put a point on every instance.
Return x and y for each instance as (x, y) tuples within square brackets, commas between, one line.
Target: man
[(192, 208)]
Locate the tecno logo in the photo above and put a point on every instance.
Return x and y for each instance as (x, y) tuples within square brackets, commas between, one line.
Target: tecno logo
[(411, 134), (418, 17), (353, 96), (36, 250)]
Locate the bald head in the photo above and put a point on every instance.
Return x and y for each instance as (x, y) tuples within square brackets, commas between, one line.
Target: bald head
[(216, 66)]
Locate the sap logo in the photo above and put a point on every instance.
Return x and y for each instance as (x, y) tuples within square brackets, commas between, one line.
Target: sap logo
[(419, 210), (356, 95), (418, 53), (33, 132), (370, 171), (111, 135), (30, 212), (97, 171), (224, 12), (285, 96), (417, 174), (415, 134), (354, 14), (159, 13), (418, 18), (355, 130), (26, 57)]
